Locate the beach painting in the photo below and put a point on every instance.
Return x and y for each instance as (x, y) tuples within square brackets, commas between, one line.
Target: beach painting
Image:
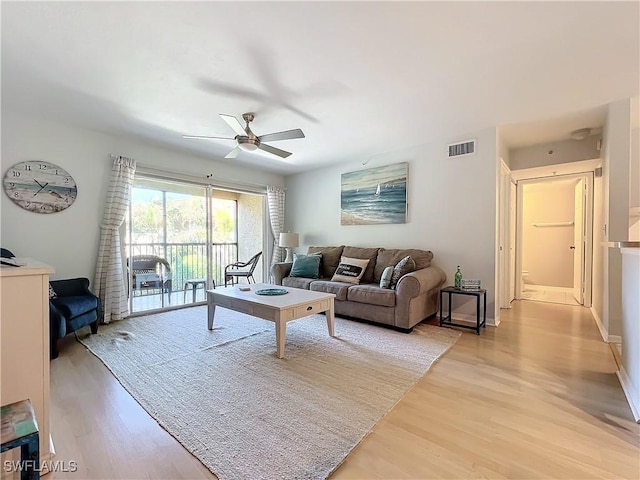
[(374, 196)]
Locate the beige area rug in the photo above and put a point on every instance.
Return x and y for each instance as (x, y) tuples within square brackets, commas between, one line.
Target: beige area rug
[(246, 414)]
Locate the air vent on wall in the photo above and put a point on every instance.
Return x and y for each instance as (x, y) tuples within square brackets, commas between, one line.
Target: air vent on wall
[(467, 147)]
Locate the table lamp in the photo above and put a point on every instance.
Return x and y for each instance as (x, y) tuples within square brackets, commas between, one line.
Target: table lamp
[(288, 241)]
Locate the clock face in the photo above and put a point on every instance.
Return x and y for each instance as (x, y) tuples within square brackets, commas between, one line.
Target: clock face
[(40, 187)]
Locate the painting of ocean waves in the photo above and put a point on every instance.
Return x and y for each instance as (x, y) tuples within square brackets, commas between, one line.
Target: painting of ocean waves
[(374, 196)]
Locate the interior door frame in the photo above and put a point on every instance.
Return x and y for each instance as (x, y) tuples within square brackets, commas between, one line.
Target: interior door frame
[(504, 220), (587, 254), (579, 243)]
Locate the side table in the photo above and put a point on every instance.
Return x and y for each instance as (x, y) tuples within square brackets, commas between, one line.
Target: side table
[(194, 283), (20, 429), (474, 293)]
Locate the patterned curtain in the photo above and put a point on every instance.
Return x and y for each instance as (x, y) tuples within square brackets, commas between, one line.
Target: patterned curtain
[(275, 199), (109, 283)]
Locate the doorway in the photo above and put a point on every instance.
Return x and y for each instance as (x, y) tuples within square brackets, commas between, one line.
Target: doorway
[(180, 236), (554, 232)]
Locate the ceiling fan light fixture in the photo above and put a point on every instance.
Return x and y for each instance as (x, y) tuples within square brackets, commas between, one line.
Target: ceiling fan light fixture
[(248, 144), (248, 147), (581, 133), (247, 141)]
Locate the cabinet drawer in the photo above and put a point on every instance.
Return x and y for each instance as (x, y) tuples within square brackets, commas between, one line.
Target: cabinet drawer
[(311, 308), (261, 311)]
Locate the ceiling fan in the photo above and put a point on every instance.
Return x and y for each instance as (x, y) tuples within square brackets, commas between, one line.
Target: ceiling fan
[(248, 141)]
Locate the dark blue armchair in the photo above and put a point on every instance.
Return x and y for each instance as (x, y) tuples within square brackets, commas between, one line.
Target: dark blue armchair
[(73, 307)]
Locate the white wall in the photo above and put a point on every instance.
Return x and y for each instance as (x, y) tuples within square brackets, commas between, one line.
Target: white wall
[(616, 154), (452, 209), (251, 220), (553, 153), (634, 171), (68, 240), (630, 371)]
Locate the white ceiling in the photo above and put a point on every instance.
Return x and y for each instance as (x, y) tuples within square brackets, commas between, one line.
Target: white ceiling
[(358, 78)]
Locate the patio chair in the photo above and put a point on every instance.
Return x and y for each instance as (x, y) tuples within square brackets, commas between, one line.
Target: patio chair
[(236, 270), (151, 272)]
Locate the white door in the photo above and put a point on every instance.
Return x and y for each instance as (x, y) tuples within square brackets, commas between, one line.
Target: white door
[(578, 242)]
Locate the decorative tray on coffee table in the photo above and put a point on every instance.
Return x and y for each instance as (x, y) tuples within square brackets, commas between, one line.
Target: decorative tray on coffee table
[(271, 291)]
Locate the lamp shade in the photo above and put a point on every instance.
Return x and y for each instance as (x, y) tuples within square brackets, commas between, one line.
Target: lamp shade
[(288, 240)]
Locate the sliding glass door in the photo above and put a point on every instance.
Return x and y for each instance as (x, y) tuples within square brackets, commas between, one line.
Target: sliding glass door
[(180, 237)]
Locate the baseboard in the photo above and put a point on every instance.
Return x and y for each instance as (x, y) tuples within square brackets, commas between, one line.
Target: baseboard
[(471, 319), (603, 333), (630, 393), (615, 339), (544, 288)]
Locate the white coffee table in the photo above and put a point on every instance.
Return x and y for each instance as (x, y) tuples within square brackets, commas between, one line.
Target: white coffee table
[(280, 309)]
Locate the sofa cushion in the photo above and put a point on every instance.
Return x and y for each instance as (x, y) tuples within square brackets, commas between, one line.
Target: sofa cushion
[(339, 289), (390, 258), (403, 267), (350, 270), (365, 253), (307, 266), (371, 294), (297, 282), (76, 305), (330, 258)]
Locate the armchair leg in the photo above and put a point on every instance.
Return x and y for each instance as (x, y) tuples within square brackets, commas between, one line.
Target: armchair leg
[(94, 327)]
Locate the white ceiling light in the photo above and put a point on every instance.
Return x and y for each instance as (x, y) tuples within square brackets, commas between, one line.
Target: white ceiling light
[(581, 134), (248, 145)]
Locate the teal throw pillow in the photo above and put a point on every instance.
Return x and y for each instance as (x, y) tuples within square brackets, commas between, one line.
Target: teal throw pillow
[(306, 266)]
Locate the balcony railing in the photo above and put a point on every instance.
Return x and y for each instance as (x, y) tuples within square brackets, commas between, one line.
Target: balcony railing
[(189, 260)]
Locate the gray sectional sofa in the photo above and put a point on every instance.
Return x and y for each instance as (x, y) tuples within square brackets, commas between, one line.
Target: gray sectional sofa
[(414, 299)]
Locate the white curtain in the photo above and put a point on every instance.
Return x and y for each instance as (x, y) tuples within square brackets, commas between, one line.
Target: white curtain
[(275, 199), (109, 283)]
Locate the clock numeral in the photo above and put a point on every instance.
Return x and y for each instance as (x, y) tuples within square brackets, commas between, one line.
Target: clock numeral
[(43, 167), (16, 195), (56, 172), (27, 167), (43, 207), (27, 204), (66, 180), (11, 184), (15, 174)]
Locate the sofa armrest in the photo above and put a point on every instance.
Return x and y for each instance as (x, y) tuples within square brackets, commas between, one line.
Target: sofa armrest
[(71, 287), (280, 270), (420, 281)]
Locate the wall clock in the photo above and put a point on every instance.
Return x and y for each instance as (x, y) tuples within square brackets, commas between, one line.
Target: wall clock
[(40, 187)]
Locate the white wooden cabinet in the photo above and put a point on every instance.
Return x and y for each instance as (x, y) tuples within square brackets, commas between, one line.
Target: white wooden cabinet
[(24, 333)]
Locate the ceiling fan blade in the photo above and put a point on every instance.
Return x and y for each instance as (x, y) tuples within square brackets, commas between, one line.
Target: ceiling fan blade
[(233, 153), (287, 135), (234, 124), (217, 88), (201, 137), (274, 150)]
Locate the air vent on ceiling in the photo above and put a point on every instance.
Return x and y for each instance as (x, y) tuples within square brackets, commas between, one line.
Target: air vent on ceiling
[(467, 147)]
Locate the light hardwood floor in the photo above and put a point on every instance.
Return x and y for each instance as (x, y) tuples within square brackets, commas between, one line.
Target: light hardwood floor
[(536, 397)]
